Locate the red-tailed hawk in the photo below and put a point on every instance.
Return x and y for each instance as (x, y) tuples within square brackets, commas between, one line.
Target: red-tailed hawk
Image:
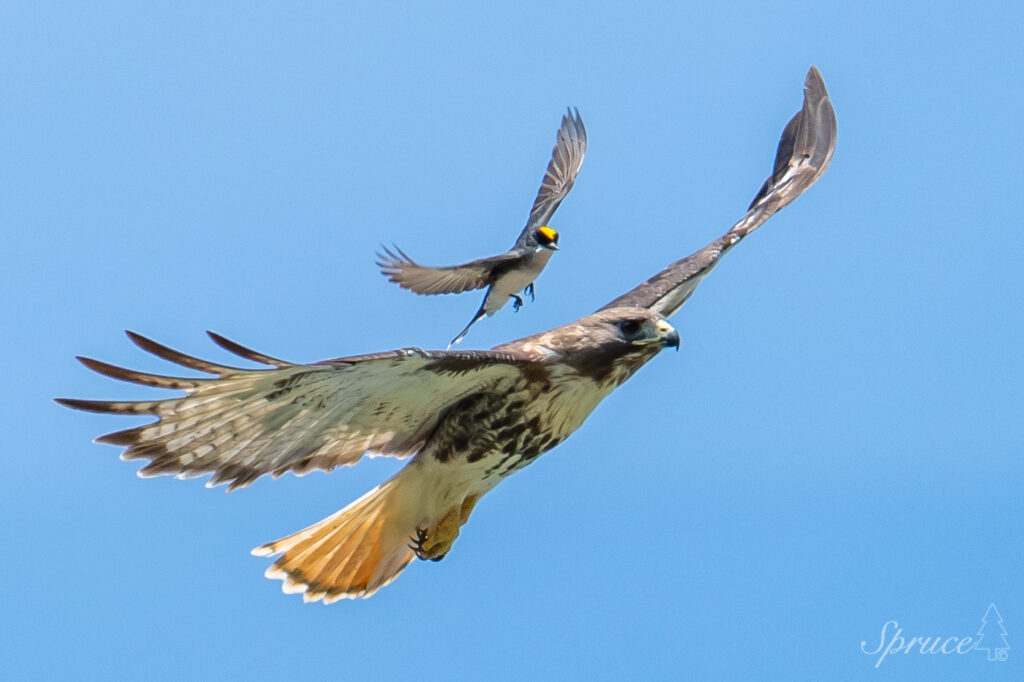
[(467, 418)]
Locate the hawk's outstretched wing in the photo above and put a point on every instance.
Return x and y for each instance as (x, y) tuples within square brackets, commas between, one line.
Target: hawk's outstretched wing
[(244, 423), (452, 279), (565, 164), (804, 153)]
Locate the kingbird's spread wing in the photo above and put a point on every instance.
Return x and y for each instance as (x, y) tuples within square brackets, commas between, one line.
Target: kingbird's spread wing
[(804, 153), (453, 279), (244, 423), (565, 164), (566, 160)]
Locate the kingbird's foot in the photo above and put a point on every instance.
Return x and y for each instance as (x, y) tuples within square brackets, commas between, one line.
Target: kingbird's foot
[(517, 303)]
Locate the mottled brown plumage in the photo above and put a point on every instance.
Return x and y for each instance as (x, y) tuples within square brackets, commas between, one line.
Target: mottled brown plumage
[(469, 419)]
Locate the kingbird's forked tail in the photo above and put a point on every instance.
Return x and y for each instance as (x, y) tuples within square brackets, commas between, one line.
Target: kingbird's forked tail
[(476, 318), (350, 554)]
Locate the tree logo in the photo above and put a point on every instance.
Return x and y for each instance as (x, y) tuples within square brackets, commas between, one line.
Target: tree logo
[(992, 635), (991, 638)]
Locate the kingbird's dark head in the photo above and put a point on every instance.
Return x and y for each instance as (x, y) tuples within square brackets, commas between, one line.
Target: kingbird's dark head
[(547, 237)]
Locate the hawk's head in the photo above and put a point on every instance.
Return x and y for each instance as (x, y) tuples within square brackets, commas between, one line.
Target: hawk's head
[(607, 346)]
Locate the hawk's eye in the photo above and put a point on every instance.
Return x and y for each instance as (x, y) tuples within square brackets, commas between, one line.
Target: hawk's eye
[(629, 327)]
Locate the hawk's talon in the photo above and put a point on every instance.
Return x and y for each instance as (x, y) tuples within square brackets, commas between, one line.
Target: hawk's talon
[(417, 547), (517, 303)]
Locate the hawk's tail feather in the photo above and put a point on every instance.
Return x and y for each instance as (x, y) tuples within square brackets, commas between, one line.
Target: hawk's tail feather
[(352, 553)]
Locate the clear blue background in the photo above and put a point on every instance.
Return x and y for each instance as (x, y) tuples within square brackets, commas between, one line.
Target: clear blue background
[(837, 443)]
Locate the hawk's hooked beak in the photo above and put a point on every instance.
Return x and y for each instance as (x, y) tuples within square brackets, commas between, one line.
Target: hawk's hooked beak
[(669, 335)]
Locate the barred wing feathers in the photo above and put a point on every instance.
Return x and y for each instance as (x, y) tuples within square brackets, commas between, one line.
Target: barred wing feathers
[(244, 423)]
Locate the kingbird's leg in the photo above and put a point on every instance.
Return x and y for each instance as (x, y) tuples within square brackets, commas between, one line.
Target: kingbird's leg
[(517, 303), (529, 290)]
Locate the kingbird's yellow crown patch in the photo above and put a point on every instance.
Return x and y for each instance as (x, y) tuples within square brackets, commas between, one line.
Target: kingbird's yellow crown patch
[(547, 235)]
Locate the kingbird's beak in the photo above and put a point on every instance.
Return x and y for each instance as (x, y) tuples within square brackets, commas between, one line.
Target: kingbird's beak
[(553, 246), (669, 335)]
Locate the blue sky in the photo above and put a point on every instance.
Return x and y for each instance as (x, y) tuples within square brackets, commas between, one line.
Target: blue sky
[(836, 445)]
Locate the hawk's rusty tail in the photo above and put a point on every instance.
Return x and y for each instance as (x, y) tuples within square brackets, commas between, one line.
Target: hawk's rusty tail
[(352, 553)]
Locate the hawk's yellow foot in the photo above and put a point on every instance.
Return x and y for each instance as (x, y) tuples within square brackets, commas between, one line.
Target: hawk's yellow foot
[(434, 543)]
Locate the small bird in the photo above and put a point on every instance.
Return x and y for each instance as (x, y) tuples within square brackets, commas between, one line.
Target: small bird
[(516, 269)]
